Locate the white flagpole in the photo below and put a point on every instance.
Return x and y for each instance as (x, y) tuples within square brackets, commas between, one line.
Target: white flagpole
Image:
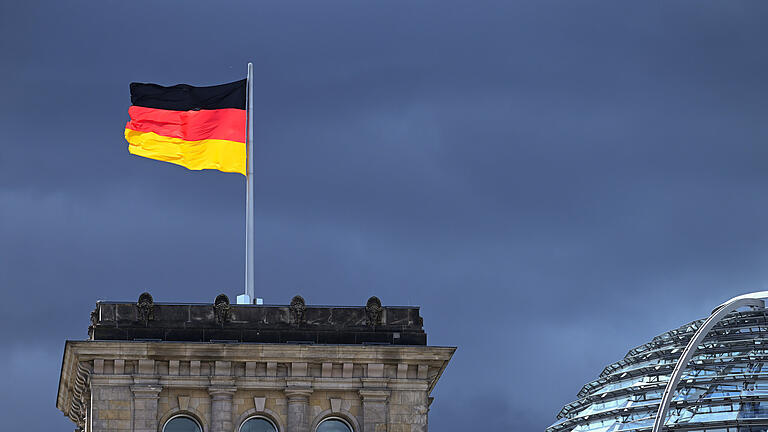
[(249, 247)]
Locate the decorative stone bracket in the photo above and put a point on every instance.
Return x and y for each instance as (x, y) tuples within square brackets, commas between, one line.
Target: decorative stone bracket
[(80, 395)]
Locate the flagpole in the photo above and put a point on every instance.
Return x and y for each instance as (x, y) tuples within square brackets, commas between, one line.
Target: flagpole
[(249, 246)]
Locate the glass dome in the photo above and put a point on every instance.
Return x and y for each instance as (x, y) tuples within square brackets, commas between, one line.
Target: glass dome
[(724, 387)]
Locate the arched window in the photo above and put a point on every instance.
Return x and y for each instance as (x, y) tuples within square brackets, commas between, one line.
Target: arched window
[(258, 424), (182, 423), (333, 424)]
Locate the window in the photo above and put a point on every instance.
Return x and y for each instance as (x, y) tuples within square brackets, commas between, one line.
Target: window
[(333, 424), (182, 423), (258, 424)]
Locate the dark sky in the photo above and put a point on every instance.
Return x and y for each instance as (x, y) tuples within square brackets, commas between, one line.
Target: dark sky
[(553, 182)]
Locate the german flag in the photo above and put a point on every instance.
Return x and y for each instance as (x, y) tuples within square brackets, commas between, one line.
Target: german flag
[(195, 127)]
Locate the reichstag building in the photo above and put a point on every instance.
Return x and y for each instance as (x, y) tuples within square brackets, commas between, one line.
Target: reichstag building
[(219, 367)]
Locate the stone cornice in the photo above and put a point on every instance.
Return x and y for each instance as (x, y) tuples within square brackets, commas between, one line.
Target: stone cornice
[(83, 352), (375, 382), (174, 381), (223, 382), (298, 382), (261, 383), (144, 380), (99, 380), (134, 350), (408, 384)]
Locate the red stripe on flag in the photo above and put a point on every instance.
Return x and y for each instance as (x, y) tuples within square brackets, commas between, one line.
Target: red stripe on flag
[(222, 124)]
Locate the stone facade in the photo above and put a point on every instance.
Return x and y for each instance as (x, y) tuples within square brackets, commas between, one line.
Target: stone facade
[(138, 385)]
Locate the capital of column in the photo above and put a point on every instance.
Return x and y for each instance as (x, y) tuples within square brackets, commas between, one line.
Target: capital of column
[(298, 394), (298, 390), (374, 395), (222, 392), (146, 391)]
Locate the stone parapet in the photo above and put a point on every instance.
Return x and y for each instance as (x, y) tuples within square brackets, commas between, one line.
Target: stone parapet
[(221, 321)]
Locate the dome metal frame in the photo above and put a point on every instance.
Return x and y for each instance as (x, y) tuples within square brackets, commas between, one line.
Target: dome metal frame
[(709, 373)]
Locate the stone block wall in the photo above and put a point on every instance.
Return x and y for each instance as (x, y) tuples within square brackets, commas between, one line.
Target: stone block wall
[(381, 389)]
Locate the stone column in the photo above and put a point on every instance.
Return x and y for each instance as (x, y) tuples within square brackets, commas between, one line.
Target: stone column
[(221, 408), (145, 398), (297, 392), (374, 395), (419, 403)]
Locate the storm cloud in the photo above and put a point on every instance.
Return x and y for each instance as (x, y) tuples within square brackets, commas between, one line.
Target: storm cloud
[(553, 182)]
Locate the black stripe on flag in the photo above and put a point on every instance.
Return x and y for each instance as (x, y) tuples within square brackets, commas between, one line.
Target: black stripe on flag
[(184, 97)]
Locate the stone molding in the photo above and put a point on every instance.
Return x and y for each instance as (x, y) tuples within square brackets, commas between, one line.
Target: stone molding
[(301, 382), (375, 382), (221, 393), (105, 352), (298, 394), (111, 380), (298, 389), (146, 391), (374, 395), (223, 382), (282, 353)]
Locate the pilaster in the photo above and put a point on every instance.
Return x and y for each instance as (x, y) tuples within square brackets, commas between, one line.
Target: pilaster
[(374, 396), (221, 406), (297, 392), (145, 396)]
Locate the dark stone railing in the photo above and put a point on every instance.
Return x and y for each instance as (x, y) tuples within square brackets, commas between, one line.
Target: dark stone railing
[(225, 322)]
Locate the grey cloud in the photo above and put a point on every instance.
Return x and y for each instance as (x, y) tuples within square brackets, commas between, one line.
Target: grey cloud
[(542, 177)]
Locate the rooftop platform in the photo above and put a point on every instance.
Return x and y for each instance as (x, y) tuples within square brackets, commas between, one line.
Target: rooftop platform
[(221, 321)]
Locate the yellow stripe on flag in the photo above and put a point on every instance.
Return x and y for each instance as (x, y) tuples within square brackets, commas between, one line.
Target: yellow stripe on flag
[(222, 155)]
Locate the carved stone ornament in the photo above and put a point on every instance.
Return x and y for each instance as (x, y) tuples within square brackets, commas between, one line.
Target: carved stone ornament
[(373, 311), (95, 316), (221, 308), (145, 308), (298, 310), (81, 396)]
